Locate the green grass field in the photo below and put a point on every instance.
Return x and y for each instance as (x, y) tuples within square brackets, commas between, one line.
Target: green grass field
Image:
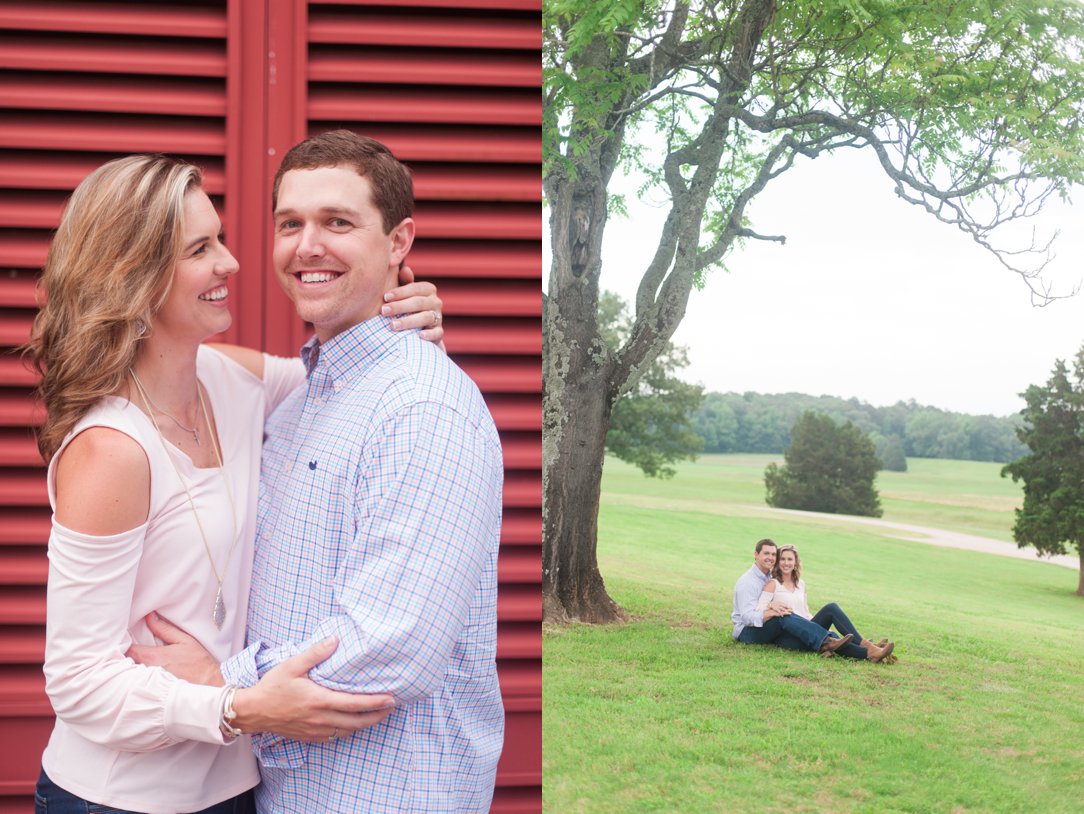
[(666, 713)]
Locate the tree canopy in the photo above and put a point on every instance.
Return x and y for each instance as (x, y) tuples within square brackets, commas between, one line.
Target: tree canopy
[(827, 468), (652, 423), (1052, 517), (761, 422), (972, 108)]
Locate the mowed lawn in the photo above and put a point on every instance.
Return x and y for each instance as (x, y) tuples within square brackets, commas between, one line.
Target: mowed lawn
[(982, 713)]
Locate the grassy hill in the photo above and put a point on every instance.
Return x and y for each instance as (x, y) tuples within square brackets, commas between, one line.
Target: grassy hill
[(982, 712)]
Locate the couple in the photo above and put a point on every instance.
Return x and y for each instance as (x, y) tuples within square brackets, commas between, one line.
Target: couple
[(770, 607), (365, 561)]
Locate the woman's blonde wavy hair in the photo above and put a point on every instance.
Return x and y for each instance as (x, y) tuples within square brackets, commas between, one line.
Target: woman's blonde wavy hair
[(777, 572), (110, 268)]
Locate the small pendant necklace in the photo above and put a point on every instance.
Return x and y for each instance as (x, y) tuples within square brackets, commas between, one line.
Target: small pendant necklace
[(218, 612), (147, 399)]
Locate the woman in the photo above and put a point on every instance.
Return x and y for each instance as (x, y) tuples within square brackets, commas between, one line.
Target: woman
[(788, 587), (153, 445)]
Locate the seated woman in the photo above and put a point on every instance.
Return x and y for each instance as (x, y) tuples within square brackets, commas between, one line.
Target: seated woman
[(788, 586)]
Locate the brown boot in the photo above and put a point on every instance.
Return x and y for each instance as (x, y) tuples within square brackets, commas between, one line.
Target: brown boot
[(830, 644), (867, 643), (879, 654)]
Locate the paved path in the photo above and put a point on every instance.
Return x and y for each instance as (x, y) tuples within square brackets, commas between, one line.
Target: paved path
[(951, 539)]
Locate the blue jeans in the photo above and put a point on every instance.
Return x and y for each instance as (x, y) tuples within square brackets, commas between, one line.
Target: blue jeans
[(49, 798), (832, 614), (791, 632)]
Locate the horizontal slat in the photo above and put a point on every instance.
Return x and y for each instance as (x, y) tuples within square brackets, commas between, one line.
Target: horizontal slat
[(519, 677), (399, 67), (437, 106), (511, 298), (100, 55), (113, 134), (14, 327), (21, 169), (451, 142), (32, 209), (114, 95), (490, 260), (519, 603), (476, 182), (23, 566), (517, 336), (16, 410), (14, 372), (502, 374), (522, 527), (26, 487), (24, 525), (431, 30), (520, 565), (519, 640), (514, 412), (18, 448), (22, 605), (513, 5), (26, 645), (158, 19), (510, 221), (521, 488), (20, 291), (522, 450)]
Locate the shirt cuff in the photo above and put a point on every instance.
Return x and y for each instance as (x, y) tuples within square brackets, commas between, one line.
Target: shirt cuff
[(193, 712), (240, 669)]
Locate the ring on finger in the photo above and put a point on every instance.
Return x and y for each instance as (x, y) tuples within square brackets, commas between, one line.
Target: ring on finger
[(334, 734), (436, 318)]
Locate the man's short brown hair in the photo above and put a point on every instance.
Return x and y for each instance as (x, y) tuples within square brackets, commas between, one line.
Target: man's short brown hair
[(764, 542), (389, 179)]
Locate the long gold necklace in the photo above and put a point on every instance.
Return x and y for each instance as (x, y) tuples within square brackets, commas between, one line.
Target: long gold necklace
[(218, 613)]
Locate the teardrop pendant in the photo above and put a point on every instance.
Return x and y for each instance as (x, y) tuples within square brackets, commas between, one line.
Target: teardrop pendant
[(220, 609)]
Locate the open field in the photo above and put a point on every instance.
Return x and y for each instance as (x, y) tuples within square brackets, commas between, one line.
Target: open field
[(668, 714)]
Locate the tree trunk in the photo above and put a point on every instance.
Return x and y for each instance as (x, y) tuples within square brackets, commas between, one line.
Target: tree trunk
[(572, 587)]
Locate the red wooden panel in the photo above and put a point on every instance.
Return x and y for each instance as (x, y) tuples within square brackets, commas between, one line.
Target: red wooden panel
[(111, 55), (475, 335), (153, 95), (469, 182), (24, 525), (426, 68), (522, 450), (515, 5), (18, 448), (508, 221), (22, 605), (162, 19), (451, 142), (23, 645), (24, 169), (114, 134), (406, 28), (408, 104), (14, 371), (440, 259), (514, 412)]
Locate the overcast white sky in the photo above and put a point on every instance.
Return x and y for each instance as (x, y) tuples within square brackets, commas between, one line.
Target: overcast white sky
[(869, 298)]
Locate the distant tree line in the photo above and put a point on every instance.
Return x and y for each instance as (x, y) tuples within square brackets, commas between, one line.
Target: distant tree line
[(751, 422)]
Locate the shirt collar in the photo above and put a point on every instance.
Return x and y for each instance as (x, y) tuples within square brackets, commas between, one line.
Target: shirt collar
[(351, 351), (760, 575)]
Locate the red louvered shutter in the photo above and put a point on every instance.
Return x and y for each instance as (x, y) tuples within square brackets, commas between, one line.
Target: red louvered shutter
[(451, 85), (453, 88)]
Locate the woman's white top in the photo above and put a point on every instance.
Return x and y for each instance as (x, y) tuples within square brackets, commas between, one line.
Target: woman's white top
[(795, 599), (127, 735)]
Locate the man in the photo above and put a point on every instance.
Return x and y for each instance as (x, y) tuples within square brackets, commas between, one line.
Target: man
[(776, 624), (379, 516)]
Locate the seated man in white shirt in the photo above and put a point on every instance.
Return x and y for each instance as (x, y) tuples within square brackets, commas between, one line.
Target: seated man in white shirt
[(776, 624)]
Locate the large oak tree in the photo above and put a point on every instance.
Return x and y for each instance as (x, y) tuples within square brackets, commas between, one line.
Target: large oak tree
[(972, 108)]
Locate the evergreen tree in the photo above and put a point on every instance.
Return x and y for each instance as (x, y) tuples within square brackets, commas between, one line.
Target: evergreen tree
[(828, 468), (1052, 517)]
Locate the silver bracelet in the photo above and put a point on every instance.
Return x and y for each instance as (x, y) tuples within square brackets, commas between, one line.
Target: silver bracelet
[(225, 719)]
